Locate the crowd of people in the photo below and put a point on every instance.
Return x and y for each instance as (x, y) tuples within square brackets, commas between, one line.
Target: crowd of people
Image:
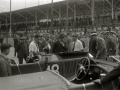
[(101, 45), (31, 45)]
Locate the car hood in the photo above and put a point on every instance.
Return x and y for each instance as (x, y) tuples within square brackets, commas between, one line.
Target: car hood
[(36, 81)]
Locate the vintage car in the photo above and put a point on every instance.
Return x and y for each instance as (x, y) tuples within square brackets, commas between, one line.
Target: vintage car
[(47, 80), (76, 67), (65, 64)]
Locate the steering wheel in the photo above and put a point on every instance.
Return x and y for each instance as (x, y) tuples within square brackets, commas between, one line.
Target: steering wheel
[(82, 68)]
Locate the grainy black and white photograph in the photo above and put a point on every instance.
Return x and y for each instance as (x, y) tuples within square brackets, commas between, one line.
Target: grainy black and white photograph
[(59, 44)]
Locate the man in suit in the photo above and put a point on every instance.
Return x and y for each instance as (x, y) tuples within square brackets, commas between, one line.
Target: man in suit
[(5, 69), (42, 43), (60, 46), (101, 49), (16, 41), (68, 40), (76, 45), (22, 50), (111, 45), (92, 44)]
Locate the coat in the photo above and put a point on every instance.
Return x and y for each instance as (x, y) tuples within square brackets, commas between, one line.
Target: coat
[(68, 41), (22, 50), (16, 41), (101, 48), (92, 45), (111, 46), (5, 69), (42, 44), (57, 47)]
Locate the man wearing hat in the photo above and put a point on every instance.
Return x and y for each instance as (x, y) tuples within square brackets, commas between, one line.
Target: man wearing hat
[(60, 46), (5, 69), (98, 45), (92, 44), (22, 50)]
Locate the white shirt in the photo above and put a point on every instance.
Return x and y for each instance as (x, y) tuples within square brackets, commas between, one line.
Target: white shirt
[(78, 45), (33, 47)]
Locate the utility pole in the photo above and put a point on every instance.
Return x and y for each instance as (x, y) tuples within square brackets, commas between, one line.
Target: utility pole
[(52, 30), (67, 17), (10, 20)]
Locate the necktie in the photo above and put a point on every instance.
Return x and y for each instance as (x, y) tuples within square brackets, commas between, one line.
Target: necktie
[(37, 47), (73, 46)]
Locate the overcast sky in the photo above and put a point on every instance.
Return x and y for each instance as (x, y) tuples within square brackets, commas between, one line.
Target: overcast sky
[(19, 4)]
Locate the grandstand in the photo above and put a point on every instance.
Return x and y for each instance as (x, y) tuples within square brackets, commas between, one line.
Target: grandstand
[(68, 16)]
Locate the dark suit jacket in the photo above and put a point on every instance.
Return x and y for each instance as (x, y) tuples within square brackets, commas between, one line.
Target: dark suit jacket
[(114, 74), (92, 45), (42, 44), (16, 41), (101, 48), (5, 69), (21, 50), (57, 47)]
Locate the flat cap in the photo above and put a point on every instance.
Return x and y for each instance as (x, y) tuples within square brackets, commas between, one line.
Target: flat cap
[(5, 46)]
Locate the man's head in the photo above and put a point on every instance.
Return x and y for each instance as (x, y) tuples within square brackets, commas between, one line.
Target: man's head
[(62, 37), (36, 38), (5, 48), (68, 34), (22, 39), (93, 35), (75, 37)]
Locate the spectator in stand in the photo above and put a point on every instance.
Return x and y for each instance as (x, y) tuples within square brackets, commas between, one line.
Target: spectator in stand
[(76, 45), (60, 46)]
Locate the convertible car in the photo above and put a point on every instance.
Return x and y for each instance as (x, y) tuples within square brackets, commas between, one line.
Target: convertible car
[(47, 80), (79, 69)]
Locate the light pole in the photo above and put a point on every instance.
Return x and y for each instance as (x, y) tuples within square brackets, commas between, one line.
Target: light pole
[(112, 8), (10, 20), (52, 30), (38, 2)]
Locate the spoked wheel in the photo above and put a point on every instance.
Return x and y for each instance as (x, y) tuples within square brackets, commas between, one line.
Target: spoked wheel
[(82, 68)]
